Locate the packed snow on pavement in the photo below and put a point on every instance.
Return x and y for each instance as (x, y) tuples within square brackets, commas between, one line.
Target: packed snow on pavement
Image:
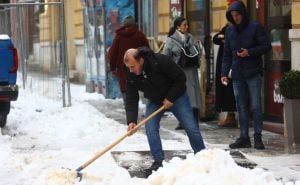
[(44, 143)]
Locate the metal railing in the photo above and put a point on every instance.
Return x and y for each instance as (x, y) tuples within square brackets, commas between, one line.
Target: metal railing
[(38, 32)]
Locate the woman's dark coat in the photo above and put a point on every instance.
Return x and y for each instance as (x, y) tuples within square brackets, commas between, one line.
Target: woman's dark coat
[(225, 101)]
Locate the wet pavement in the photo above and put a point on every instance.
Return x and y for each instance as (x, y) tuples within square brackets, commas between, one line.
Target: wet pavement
[(277, 147)]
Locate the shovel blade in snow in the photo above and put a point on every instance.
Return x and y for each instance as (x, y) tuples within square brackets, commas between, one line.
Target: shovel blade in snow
[(137, 162)]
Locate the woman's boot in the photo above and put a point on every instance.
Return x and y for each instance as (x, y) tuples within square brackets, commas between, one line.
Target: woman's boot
[(229, 121)]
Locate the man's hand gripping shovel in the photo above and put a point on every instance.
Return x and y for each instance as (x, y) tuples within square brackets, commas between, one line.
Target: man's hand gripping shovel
[(128, 133)]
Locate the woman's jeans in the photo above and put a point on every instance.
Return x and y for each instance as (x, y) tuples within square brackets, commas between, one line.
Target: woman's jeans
[(182, 110), (249, 91)]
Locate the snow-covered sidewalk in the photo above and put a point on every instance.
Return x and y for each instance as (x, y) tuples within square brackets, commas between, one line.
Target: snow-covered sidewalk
[(42, 137)]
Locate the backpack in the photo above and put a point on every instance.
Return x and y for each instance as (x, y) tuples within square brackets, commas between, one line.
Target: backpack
[(186, 59)]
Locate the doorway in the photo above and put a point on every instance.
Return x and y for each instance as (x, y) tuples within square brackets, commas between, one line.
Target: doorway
[(278, 61)]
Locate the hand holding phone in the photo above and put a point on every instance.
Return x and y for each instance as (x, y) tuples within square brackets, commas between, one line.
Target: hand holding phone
[(221, 36), (242, 53), (241, 50), (224, 80)]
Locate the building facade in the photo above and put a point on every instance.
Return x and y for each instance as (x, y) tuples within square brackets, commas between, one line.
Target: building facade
[(281, 19)]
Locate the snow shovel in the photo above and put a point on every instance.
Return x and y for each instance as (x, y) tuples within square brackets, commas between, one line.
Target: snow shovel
[(99, 154)]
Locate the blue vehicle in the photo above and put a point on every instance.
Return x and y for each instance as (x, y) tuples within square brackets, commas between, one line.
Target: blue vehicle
[(8, 76)]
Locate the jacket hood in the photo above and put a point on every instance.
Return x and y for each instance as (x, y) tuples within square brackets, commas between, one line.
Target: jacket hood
[(240, 7), (127, 31)]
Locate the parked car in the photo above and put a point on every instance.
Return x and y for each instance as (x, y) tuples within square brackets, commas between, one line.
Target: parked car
[(8, 76)]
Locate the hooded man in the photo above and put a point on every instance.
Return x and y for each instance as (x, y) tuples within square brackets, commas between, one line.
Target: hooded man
[(245, 43)]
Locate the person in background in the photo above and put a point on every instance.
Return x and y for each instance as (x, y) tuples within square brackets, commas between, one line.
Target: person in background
[(245, 43), (225, 101), (177, 37), (163, 84), (127, 36)]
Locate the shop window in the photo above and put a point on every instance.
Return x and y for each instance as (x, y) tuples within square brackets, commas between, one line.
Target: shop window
[(146, 11), (196, 17), (279, 8), (281, 46)]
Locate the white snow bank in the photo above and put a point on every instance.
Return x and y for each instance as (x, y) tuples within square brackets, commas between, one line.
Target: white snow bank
[(208, 167), (211, 166)]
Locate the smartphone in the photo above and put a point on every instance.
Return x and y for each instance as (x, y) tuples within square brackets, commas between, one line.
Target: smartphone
[(240, 50)]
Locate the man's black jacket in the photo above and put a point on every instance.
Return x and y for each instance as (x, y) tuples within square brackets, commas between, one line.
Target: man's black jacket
[(161, 78)]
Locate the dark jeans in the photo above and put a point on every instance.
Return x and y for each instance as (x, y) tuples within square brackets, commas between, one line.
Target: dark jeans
[(182, 110), (249, 90)]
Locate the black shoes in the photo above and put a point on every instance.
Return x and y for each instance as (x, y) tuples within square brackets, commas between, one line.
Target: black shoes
[(258, 144), (155, 165), (242, 142)]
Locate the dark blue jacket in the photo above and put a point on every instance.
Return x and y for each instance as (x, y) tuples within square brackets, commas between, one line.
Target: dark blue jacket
[(249, 35)]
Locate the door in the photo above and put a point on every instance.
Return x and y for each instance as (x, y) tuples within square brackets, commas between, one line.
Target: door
[(278, 61)]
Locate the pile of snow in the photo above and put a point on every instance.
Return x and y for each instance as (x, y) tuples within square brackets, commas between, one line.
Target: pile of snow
[(210, 166), (69, 177), (42, 137)]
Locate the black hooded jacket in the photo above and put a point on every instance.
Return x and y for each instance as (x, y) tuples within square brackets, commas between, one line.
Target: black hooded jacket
[(161, 78), (249, 35)]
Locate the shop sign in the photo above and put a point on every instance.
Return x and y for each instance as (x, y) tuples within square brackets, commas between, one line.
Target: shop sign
[(281, 2), (277, 97), (274, 106), (175, 2)]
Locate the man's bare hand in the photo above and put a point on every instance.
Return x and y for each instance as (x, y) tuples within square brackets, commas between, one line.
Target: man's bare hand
[(224, 80), (131, 128), (167, 104), (243, 53)]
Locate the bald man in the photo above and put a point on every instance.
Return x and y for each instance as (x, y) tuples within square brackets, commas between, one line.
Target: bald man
[(163, 83)]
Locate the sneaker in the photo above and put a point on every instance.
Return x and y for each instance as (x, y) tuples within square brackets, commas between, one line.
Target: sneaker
[(242, 142), (155, 165), (258, 144)]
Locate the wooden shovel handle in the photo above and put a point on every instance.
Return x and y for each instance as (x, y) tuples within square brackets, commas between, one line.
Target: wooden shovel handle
[(99, 154)]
